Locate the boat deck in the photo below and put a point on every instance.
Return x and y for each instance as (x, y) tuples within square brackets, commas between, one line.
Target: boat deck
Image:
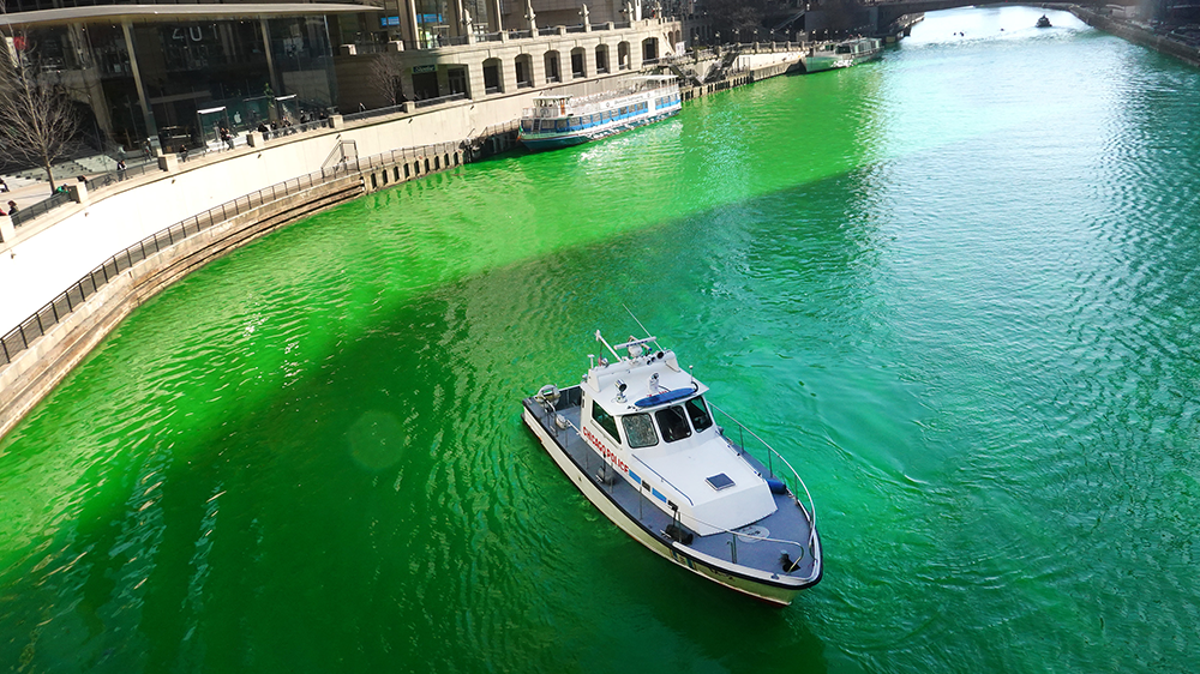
[(788, 528)]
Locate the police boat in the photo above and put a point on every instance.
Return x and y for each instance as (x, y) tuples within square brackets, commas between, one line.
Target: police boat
[(640, 440)]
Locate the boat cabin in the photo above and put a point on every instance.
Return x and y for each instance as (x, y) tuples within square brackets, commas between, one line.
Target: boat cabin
[(549, 106), (650, 421)]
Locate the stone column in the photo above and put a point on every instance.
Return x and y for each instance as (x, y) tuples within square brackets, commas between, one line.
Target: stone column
[(266, 38), (508, 75), (476, 88), (147, 115), (495, 21), (7, 231), (537, 74), (457, 26), (78, 193), (408, 23)]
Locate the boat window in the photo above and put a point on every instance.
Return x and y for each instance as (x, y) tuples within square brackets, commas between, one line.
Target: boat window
[(562, 125), (639, 430), (673, 423), (698, 412), (605, 421)]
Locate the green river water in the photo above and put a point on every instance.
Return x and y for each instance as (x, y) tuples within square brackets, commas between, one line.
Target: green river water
[(959, 288)]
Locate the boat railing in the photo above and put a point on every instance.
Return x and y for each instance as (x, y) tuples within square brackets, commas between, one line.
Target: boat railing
[(801, 548), (811, 511)]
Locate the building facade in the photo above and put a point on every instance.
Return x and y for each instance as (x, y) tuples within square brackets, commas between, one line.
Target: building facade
[(172, 76)]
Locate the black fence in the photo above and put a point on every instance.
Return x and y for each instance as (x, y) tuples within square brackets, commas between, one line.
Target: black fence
[(426, 102), (28, 213), (19, 338), (121, 175), (374, 112)]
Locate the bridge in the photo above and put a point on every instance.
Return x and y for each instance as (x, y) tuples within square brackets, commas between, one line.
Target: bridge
[(886, 18)]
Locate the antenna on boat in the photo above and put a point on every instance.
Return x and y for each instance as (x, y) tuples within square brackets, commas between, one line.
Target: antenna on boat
[(635, 320)]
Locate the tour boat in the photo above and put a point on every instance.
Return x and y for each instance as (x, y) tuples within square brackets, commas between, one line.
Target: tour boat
[(1043, 22), (639, 439), (842, 54), (559, 121)]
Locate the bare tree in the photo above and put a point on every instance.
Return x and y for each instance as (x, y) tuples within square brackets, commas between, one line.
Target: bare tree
[(385, 78), (38, 120)]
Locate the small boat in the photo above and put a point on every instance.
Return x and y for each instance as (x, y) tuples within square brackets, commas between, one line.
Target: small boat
[(561, 121), (842, 54), (640, 440), (1043, 22)]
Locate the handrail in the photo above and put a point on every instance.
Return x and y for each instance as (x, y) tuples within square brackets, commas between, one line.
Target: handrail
[(811, 511), (782, 541), (44, 206)]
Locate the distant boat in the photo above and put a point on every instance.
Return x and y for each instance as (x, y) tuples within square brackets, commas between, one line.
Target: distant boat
[(1043, 22), (560, 121), (842, 54)]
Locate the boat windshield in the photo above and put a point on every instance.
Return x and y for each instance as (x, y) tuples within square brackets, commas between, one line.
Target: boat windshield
[(698, 413), (605, 420), (673, 423), (639, 430)]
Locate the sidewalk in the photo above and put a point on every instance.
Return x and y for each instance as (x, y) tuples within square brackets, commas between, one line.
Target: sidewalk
[(29, 195)]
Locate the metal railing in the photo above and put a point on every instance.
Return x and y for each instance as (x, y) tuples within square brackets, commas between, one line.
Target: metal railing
[(426, 102), (375, 112), (111, 178), (46, 205), (793, 481), (280, 131), (362, 48), (56, 310)]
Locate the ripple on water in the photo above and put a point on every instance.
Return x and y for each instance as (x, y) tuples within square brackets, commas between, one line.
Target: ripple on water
[(954, 287)]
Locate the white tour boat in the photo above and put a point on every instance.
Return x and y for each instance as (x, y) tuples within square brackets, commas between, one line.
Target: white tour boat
[(559, 121), (638, 438), (842, 54)]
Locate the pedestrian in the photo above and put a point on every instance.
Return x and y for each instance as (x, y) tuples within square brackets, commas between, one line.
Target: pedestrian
[(3, 185), (12, 207), (120, 169)]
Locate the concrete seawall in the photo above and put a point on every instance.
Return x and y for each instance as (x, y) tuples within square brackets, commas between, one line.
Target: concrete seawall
[(1137, 35)]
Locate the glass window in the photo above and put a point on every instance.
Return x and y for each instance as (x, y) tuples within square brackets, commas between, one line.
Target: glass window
[(605, 420), (698, 413), (639, 430), (673, 423), (562, 125)]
